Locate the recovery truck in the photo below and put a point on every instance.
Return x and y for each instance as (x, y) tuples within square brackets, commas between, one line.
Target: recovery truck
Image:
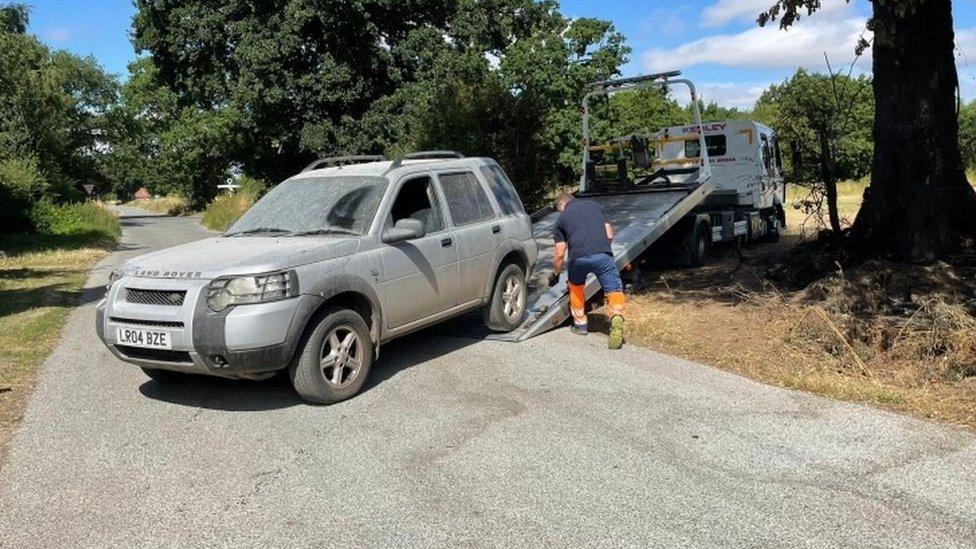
[(671, 193)]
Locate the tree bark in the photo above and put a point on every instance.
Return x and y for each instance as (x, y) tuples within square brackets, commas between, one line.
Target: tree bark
[(919, 195)]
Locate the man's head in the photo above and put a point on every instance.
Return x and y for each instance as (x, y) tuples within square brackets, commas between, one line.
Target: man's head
[(562, 201)]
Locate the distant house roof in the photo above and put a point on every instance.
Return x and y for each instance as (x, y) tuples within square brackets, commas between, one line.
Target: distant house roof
[(142, 193)]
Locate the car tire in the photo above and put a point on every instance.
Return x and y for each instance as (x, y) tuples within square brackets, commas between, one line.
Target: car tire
[(509, 296), (334, 358), (164, 376)]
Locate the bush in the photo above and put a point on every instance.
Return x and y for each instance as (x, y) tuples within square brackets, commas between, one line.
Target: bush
[(226, 209), (79, 224), (21, 184)]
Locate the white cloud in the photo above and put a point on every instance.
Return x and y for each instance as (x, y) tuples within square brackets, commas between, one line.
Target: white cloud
[(833, 31), (740, 95), (724, 11)]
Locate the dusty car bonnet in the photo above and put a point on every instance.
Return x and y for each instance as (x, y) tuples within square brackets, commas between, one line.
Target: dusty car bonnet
[(220, 256)]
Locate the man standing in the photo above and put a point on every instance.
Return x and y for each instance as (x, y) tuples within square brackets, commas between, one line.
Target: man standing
[(583, 228)]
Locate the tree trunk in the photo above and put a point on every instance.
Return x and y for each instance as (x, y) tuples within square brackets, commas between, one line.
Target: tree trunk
[(828, 175), (919, 194)]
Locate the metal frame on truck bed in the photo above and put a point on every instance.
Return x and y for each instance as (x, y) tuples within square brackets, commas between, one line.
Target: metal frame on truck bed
[(639, 214)]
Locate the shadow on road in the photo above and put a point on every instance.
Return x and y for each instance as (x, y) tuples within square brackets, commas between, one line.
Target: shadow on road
[(216, 393)]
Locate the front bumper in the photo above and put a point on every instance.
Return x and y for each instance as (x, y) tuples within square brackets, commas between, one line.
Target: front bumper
[(240, 341)]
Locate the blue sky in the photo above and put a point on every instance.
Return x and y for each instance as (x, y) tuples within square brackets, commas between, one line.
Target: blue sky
[(715, 42)]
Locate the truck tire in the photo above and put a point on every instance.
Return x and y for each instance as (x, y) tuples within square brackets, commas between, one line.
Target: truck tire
[(334, 357), (164, 376), (506, 311), (701, 243)]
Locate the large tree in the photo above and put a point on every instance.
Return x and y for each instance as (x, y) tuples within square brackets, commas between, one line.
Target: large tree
[(919, 197), (298, 79)]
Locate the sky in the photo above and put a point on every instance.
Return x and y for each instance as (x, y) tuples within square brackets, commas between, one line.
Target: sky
[(715, 42)]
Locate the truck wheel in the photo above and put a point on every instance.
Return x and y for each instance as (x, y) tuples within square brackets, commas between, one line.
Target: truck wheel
[(334, 359), (701, 242), (164, 376), (507, 308)]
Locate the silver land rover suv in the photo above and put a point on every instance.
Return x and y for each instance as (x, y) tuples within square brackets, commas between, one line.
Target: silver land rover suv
[(326, 267)]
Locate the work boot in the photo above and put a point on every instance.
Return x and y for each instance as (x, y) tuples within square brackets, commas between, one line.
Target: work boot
[(579, 329), (616, 339)]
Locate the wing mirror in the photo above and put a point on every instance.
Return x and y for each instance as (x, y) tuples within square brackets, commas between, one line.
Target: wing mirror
[(405, 229)]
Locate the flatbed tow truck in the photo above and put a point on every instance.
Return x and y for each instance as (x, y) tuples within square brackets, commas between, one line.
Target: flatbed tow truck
[(675, 192)]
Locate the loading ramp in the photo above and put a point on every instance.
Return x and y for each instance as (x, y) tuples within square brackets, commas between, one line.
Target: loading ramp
[(638, 218)]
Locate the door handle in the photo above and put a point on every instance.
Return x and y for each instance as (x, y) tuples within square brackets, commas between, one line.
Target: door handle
[(446, 242), (495, 229)]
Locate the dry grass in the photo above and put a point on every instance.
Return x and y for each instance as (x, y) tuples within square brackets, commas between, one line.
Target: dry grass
[(226, 209), (900, 337), (167, 205)]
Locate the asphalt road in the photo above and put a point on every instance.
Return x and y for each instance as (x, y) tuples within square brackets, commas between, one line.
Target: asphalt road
[(459, 441)]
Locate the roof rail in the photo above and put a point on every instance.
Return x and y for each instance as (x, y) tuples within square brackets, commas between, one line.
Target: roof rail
[(343, 161), (424, 155)]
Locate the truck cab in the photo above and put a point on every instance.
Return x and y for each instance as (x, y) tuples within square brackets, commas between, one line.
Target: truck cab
[(743, 155)]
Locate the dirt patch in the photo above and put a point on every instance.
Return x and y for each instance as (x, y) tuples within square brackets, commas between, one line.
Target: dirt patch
[(898, 336)]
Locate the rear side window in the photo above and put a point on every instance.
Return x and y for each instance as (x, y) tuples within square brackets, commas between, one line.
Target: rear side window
[(466, 199), (715, 144), (504, 191)]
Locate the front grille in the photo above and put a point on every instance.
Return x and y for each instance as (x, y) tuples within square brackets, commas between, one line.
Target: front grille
[(159, 355), (139, 322), (168, 298)]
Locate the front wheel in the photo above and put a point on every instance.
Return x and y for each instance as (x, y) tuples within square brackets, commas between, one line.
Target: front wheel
[(335, 358), (507, 308)]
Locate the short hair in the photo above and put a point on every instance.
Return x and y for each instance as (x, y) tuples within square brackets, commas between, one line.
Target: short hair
[(563, 200)]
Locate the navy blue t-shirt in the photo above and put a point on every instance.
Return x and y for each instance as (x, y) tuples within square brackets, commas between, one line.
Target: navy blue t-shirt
[(582, 226)]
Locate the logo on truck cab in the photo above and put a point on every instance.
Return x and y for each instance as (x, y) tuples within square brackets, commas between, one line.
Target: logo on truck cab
[(706, 127)]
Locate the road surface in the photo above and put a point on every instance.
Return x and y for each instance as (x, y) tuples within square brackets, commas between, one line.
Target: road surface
[(460, 441)]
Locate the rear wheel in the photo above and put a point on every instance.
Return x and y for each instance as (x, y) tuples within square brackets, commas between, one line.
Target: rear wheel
[(335, 358), (164, 376), (507, 308)]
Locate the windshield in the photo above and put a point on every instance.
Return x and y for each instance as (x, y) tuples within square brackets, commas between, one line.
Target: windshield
[(315, 205)]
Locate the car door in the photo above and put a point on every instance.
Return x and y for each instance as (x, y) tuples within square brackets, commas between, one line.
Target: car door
[(477, 231), (419, 277)]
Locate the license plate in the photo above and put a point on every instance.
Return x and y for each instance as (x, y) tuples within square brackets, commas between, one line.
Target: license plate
[(144, 338)]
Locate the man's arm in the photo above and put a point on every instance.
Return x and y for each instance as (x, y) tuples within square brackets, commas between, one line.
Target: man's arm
[(559, 259), (609, 232)]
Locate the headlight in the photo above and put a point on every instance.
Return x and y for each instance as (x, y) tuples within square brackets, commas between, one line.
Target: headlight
[(112, 277), (242, 290)]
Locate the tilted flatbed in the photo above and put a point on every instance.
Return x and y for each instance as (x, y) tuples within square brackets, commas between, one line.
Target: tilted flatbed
[(638, 217)]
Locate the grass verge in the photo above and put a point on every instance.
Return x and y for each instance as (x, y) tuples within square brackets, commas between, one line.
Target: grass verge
[(167, 205), (902, 337), (40, 282), (226, 209)]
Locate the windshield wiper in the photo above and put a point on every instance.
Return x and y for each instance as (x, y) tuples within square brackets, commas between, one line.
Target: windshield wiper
[(260, 230), (326, 230)]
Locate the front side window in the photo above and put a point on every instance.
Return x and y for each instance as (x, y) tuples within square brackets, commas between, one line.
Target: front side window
[(344, 204), (466, 199), (715, 143), (417, 200), (508, 200)]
